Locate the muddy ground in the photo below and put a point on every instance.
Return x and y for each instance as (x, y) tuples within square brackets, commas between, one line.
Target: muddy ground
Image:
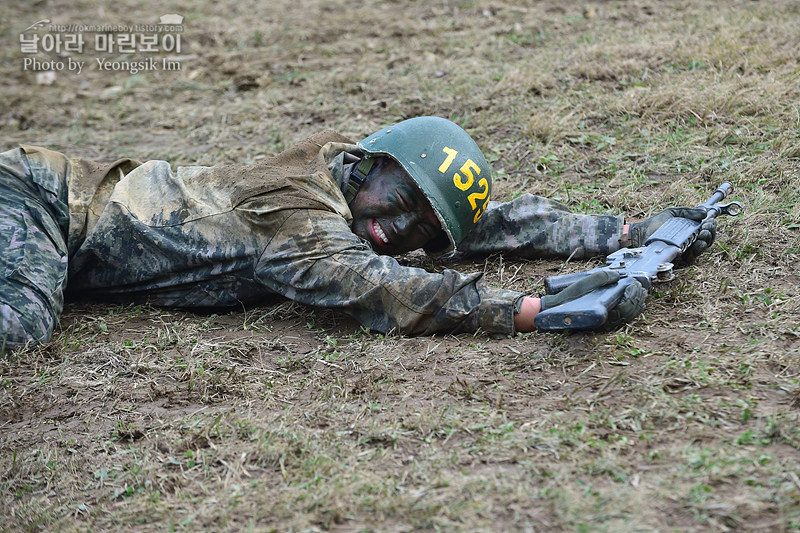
[(289, 418)]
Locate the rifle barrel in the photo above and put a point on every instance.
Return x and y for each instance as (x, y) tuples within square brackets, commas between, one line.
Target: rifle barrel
[(719, 195)]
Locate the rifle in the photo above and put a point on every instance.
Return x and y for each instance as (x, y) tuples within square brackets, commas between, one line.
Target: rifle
[(648, 264)]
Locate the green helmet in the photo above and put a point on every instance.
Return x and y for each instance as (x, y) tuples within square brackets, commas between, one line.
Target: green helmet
[(447, 166)]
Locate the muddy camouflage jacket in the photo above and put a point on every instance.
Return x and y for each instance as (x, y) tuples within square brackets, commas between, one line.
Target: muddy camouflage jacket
[(228, 236)]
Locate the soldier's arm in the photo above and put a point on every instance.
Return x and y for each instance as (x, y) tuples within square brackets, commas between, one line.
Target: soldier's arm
[(532, 226), (315, 259), (528, 309)]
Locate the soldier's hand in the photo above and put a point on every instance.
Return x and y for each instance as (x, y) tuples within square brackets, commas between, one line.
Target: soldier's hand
[(641, 231), (629, 307)]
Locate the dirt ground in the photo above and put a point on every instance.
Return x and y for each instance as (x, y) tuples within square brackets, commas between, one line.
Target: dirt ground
[(288, 418)]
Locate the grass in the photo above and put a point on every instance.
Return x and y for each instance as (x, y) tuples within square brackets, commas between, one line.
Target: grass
[(285, 418)]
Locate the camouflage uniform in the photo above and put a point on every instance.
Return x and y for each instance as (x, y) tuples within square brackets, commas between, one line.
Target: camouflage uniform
[(234, 235)]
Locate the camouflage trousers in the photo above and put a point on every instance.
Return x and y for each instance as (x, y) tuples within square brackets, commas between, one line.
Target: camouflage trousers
[(34, 220)]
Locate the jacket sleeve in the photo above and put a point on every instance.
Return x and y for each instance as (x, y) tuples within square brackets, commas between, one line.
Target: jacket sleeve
[(317, 260), (532, 226)]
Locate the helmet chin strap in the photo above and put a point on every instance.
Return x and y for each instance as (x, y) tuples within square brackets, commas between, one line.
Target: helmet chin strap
[(358, 176)]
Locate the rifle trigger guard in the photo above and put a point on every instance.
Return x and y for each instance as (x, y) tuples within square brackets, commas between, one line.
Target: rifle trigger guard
[(664, 272)]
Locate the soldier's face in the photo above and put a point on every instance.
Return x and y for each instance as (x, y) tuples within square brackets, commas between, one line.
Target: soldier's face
[(391, 213)]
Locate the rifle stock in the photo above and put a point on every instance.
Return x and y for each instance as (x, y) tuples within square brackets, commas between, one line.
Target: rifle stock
[(590, 311)]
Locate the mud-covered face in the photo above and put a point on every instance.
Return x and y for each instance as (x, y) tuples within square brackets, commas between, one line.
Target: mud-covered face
[(391, 212)]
